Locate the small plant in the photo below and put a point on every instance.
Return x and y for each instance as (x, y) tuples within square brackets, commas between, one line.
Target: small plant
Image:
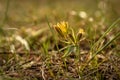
[(68, 36)]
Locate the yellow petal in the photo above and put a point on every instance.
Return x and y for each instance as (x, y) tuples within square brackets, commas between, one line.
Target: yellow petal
[(61, 28)]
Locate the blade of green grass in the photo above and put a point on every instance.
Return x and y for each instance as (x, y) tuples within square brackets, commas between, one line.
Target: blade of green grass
[(50, 26), (108, 30), (52, 34), (117, 35), (6, 11), (5, 17)]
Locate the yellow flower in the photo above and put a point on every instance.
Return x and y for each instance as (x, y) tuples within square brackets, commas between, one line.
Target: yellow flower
[(81, 31), (80, 34), (62, 28)]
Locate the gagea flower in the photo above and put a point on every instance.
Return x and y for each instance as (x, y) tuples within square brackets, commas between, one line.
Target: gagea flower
[(62, 28), (80, 34), (81, 31)]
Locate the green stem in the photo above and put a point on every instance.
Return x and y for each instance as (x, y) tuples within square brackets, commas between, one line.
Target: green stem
[(6, 12)]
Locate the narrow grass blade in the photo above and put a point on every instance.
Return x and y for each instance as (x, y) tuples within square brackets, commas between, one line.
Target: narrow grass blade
[(52, 34), (69, 50), (6, 12), (117, 35), (49, 26), (108, 30)]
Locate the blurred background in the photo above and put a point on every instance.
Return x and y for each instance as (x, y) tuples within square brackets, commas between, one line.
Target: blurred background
[(22, 12)]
